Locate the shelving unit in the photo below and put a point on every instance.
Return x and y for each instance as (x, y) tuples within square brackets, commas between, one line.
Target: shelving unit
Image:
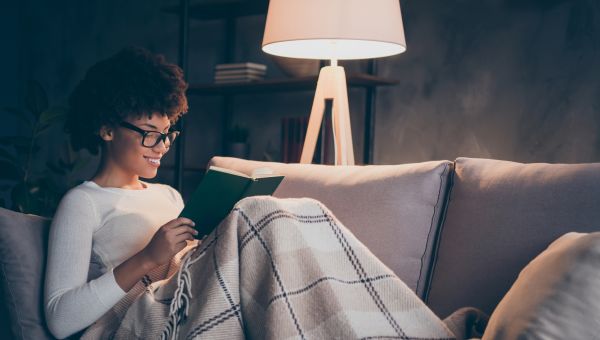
[(230, 11), (283, 85)]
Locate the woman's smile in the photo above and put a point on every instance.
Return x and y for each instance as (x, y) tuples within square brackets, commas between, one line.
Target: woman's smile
[(154, 161)]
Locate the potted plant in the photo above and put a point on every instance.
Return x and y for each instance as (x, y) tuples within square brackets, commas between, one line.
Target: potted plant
[(237, 142), (35, 186)]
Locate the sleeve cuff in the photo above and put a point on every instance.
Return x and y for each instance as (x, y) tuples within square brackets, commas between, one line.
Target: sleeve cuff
[(107, 289)]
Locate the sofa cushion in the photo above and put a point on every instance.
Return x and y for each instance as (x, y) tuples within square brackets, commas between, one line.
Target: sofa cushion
[(23, 242), (500, 216), (556, 295), (393, 209)]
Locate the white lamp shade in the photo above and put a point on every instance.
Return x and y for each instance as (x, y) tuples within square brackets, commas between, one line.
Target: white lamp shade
[(334, 29)]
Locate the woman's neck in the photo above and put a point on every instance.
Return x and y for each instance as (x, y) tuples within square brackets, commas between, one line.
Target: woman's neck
[(110, 181), (111, 175)]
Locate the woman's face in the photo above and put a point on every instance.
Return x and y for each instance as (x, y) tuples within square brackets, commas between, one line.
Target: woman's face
[(127, 150)]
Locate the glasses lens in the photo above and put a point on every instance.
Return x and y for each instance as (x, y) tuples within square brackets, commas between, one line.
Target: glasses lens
[(171, 136), (151, 139)]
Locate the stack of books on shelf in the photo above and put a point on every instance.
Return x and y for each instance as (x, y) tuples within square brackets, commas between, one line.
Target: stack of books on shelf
[(239, 73)]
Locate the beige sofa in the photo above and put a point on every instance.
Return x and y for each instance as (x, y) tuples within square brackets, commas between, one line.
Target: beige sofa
[(458, 233)]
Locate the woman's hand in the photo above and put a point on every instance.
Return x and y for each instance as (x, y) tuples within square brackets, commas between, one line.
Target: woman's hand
[(169, 240), (166, 242)]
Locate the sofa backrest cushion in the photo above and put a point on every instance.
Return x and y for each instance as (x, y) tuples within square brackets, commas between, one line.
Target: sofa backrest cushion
[(23, 244), (393, 209), (500, 216)]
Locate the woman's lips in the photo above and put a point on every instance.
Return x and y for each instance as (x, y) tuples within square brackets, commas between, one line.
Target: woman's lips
[(153, 161)]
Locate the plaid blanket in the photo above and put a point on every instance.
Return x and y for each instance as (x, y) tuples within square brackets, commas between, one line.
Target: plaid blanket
[(277, 269)]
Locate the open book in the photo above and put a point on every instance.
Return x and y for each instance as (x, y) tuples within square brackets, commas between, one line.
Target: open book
[(220, 190)]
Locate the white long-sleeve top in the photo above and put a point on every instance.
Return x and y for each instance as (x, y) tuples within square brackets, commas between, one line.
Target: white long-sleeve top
[(94, 230)]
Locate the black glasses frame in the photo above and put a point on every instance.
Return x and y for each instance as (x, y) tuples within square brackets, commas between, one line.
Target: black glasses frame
[(163, 136)]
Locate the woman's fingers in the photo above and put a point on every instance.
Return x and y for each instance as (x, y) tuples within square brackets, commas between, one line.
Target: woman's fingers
[(185, 229), (180, 221), (183, 237)]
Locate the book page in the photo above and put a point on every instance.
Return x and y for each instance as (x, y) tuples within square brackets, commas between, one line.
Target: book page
[(262, 186), (262, 172), (228, 171)]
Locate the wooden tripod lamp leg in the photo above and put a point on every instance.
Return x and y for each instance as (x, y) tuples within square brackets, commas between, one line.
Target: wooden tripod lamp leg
[(344, 151), (314, 121), (331, 85)]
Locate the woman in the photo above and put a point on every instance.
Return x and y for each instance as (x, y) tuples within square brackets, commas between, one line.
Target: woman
[(110, 231), (273, 269)]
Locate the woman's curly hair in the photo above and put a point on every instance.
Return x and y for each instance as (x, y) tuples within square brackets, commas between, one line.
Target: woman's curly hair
[(131, 83)]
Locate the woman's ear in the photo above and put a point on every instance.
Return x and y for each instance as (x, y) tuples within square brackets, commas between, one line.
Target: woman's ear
[(106, 133)]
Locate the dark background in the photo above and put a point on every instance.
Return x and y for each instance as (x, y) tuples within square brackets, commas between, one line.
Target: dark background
[(507, 79)]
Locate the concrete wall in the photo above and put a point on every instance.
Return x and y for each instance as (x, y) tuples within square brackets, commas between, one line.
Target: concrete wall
[(516, 80), (507, 79)]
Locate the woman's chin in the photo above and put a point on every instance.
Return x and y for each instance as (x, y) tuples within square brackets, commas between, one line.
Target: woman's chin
[(149, 174)]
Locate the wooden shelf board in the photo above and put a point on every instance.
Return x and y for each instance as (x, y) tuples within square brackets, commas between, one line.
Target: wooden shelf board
[(284, 84), (222, 10)]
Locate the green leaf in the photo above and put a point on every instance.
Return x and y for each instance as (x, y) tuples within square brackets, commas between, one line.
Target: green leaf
[(80, 163), (5, 154), (19, 198), (20, 143), (8, 171), (49, 186), (19, 114), (41, 129), (43, 196), (15, 140), (36, 99), (63, 164), (53, 115), (55, 169)]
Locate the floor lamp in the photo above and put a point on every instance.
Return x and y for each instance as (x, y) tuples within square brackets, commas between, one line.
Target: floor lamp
[(333, 30)]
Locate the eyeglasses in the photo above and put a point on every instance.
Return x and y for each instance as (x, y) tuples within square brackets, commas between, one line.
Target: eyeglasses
[(151, 139)]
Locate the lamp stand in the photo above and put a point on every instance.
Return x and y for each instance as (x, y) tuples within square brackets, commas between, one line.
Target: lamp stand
[(331, 85)]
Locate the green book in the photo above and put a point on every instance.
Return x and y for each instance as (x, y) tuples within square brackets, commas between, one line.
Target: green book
[(220, 190)]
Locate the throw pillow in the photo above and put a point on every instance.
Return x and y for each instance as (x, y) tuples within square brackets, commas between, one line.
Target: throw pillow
[(555, 296), (23, 242), (393, 209)]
